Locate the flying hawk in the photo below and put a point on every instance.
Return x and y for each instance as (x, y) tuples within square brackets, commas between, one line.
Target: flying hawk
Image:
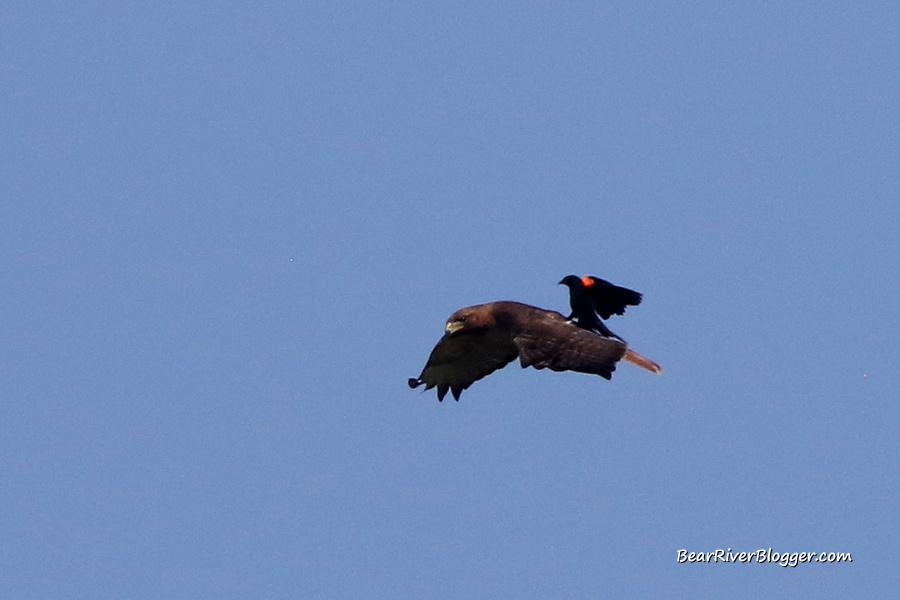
[(592, 299), (480, 339)]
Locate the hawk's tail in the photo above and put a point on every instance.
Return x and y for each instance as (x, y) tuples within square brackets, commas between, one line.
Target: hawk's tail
[(642, 361)]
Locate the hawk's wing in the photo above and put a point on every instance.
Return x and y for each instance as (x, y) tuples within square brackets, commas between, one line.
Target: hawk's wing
[(610, 299), (550, 341), (459, 360)]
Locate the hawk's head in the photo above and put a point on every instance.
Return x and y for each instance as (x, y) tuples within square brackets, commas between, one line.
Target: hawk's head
[(469, 319)]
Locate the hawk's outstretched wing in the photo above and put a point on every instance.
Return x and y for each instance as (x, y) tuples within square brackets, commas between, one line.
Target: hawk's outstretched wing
[(550, 341), (462, 358)]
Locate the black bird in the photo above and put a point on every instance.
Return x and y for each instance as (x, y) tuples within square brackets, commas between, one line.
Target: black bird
[(593, 299)]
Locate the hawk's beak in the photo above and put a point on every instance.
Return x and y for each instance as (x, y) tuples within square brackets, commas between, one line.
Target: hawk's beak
[(453, 326)]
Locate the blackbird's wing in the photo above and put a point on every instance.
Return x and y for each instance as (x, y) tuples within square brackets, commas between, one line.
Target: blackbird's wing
[(554, 343), (611, 299), (460, 359)]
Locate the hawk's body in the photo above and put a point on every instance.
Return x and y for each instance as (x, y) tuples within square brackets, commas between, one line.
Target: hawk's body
[(483, 338)]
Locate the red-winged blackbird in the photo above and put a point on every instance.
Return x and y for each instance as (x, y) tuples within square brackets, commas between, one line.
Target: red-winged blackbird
[(593, 299)]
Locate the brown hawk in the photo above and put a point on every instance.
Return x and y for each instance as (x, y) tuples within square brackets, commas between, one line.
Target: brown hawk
[(480, 339)]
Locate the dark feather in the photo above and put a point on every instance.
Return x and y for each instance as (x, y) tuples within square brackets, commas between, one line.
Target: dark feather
[(611, 299)]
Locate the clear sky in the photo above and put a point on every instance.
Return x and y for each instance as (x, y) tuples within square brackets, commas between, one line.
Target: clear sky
[(232, 230)]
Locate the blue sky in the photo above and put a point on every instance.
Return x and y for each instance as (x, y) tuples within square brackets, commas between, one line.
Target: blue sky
[(231, 231)]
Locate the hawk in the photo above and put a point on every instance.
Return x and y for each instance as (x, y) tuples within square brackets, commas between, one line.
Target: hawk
[(480, 339), (593, 299)]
